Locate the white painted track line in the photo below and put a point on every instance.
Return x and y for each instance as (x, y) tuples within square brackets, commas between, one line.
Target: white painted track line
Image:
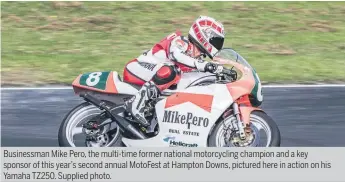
[(36, 88), (304, 86), (264, 86)]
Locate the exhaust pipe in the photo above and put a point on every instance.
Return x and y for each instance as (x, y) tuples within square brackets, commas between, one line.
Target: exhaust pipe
[(113, 113)]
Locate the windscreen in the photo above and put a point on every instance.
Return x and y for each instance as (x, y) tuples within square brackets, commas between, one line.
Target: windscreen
[(232, 55)]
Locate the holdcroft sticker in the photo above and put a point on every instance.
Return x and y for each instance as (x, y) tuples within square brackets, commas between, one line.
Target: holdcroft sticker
[(172, 142), (189, 118)]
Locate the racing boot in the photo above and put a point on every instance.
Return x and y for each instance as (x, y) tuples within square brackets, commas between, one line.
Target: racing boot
[(136, 105)]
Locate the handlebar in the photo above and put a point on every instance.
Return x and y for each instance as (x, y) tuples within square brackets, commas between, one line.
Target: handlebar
[(228, 74)]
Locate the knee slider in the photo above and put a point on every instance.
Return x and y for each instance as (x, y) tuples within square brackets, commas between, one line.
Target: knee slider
[(166, 74)]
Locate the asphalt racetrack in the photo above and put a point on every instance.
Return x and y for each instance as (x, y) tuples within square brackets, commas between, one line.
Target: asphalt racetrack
[(306, 116)]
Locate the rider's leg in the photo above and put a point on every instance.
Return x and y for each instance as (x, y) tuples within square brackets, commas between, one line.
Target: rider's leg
[(137, 74), (165, 77)]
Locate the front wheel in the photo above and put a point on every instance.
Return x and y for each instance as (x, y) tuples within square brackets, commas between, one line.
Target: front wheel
[(260, 124), (72, 133)]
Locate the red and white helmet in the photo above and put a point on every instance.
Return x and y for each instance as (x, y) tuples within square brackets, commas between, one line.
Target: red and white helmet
[(208, 35)]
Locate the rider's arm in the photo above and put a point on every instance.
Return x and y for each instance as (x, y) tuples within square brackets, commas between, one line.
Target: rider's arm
[(177, 52)]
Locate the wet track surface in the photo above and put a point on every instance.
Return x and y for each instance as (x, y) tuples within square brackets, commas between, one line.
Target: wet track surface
[(305, 116)]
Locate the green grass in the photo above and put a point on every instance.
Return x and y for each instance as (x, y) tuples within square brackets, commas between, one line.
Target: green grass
[(52, 42)]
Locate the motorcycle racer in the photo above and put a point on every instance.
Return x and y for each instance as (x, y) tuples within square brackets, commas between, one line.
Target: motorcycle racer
[(161, 66)]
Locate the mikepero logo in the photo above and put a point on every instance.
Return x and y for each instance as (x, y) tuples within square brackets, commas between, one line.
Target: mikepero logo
[(189, 119), (173, 142)]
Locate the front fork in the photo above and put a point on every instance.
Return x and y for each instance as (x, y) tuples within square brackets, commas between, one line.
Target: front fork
[(239, 123), (242, 109)]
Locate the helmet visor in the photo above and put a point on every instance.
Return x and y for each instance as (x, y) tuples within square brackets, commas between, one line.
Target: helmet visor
[(217, 42)]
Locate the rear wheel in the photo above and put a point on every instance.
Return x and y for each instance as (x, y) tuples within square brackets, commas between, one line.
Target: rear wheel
[(72, 133), (261, 124)]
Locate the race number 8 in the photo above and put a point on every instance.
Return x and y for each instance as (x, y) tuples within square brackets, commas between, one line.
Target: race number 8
[(93, 78)]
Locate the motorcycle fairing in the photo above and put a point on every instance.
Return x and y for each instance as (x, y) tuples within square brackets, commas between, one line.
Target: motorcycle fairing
[(228, 56), (200, 105), (240, 90)]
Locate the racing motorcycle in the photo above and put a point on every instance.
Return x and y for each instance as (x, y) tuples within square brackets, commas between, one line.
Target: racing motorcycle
[(202, 110)]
